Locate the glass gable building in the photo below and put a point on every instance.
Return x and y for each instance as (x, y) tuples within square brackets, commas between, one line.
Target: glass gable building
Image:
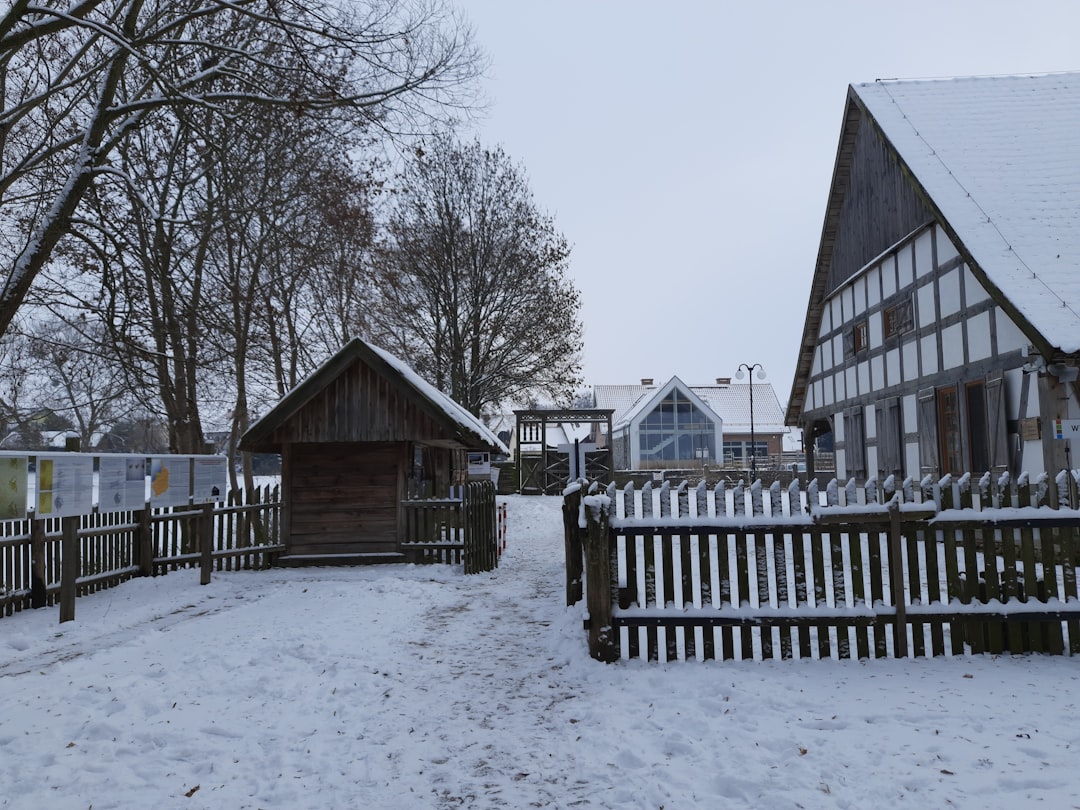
[(668, 429)]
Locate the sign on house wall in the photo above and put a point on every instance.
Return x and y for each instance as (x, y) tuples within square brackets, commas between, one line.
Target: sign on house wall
[(1067, 428)]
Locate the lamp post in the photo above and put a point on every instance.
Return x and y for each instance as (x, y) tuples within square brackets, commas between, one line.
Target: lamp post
[(749, 368)]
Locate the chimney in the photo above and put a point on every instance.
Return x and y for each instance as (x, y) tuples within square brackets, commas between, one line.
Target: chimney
[(646, 380), (723, 380)]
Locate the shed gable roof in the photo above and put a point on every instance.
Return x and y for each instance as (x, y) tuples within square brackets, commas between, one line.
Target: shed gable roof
[(458, 427)]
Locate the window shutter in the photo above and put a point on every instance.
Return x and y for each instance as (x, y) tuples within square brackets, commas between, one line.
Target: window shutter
[(996, 423), (929, 452)]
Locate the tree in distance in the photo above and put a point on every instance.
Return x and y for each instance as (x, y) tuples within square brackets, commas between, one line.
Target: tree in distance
[(474, 291)]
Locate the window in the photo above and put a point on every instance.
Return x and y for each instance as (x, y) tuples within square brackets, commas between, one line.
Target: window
[(898, 318), (856, 339), (738, 452), (676, 430)]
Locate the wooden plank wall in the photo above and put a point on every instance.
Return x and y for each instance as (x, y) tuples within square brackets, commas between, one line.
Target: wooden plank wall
[(345, 498)]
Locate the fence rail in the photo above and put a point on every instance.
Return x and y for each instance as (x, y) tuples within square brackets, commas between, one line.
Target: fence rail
[(464, 529), (938, 569), (43, 562)]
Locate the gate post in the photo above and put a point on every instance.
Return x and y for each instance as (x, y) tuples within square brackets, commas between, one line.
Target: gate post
[(69, 568), (602, 643), (572, 542), (206, 543), (896, 575)]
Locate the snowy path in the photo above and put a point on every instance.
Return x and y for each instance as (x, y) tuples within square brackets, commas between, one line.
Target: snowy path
[(405, 687)]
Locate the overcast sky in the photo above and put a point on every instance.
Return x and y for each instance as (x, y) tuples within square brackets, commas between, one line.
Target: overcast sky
[(685, 149)]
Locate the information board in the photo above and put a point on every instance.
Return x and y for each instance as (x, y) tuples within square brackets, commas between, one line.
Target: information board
[(14, 491), (210, 474), (121, 483), (170, 480), (65, 485)]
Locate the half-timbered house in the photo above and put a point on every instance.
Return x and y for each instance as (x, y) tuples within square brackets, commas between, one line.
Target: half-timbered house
[(942, 333)]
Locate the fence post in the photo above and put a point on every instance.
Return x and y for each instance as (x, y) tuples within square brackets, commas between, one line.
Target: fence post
[(145, 543), (206, 543), (602, 644), (896, 577), (38, 591), (572, 543), (69, 568)]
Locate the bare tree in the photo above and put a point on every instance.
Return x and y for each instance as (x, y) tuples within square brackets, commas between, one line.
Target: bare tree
[(78, 78), (476, 293)]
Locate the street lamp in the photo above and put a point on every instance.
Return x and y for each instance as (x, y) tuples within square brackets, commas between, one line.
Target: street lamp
[(749, 368)]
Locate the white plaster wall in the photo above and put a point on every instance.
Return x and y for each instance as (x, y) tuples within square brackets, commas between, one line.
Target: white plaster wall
[(974, 292), (928, 354), (836, 308), (903, 265), (871, 461), (924, 305), (949, 293), (1009, 336), (873, 285), (848, 298), (859, 288), (838, 350), (851, 387), (978, 336), (870, 423), (815, 367), (911, 460), (840, 386), (877, 373), (952, 347), (911, 360), (892, 367), (924, 253), (864, 377), (888, 277), (875, 330), (838, 426), (945, 248), (910, 409)]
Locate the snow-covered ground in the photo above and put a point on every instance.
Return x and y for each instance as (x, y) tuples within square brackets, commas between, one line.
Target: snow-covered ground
[(417, 687)]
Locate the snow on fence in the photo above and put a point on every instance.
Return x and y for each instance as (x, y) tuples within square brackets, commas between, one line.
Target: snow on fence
[(52, 560), (942, 568)]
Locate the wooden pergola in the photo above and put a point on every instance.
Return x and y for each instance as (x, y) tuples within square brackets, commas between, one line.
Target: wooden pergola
[(546, 470)]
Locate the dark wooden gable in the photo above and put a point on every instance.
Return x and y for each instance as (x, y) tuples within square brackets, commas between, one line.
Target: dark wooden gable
[(358, 397), (880, 206), (361, 405)]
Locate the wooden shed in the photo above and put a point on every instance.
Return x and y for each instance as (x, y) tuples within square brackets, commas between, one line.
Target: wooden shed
[(356, 438)]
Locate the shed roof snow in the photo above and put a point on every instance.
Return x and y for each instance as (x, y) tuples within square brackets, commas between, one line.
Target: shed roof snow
[(469, 431)]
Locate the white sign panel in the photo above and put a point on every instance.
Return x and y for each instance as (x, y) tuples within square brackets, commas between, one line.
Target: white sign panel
[(13, 487), (170, 480), (1067, 428), (479, 464), (65, 485), (210, 478), (121, 483)]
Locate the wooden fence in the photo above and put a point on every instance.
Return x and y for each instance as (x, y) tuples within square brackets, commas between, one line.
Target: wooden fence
[(463, 529), (944, 568), (43, 562)]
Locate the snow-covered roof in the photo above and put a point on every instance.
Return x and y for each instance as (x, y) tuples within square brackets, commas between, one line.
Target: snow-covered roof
[(729, 401), (999, 157), (471, 430)]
